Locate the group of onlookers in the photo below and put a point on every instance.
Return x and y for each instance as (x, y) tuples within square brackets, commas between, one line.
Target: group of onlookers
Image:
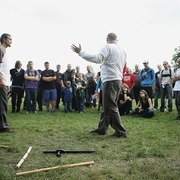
[(48, 87), (141, 84), (77, 90)]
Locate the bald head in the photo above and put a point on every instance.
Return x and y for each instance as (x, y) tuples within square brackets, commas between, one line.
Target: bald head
[(111, 37)]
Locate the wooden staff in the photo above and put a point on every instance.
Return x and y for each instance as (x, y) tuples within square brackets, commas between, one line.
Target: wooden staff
[(23, 158), (3, 146), (56, 167)]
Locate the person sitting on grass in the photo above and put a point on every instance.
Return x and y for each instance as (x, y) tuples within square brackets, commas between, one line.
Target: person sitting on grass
[(144, 106), (125, 101)]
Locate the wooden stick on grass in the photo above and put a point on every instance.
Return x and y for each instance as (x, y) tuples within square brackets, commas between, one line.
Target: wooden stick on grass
[(3, 146), (56, 167), (23, 158)]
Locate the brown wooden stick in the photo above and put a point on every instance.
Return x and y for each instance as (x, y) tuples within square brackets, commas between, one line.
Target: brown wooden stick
[(3, 146), (56, 167)]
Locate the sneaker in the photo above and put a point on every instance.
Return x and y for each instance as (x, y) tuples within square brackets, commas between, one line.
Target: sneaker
[(27, 112), (155, 109), (35, 112), (48, 111), (53, 111), (169, 110)]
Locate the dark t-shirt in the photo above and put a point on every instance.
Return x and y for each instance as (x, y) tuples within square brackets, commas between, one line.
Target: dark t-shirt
[(48, 84)]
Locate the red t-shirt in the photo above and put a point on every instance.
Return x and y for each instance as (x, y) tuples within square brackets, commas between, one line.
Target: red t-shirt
[(129, 79)]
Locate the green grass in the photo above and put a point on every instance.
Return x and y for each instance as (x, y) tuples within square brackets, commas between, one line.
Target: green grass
[(151, 151)]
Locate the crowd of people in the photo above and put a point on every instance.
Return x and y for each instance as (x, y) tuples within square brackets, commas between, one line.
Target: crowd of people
[(115, 85)]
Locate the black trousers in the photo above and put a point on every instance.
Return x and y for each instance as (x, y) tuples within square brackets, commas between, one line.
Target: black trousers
[(110, 113), (177, 101), (17, 94), (3, 107)]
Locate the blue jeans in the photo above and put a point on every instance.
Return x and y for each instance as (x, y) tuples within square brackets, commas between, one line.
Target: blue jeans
[(31, 94), (166, 91)]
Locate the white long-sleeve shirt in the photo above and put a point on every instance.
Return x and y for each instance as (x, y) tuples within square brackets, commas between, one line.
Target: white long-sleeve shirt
[(112, 59), (4, 69)]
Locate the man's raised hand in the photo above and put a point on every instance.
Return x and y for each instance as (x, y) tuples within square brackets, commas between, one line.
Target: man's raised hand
[(75, 48)]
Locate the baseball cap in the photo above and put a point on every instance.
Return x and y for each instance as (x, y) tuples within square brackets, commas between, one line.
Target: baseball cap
[(145, 62)]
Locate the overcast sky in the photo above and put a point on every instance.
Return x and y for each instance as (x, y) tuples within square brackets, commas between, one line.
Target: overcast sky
[(44, 30)]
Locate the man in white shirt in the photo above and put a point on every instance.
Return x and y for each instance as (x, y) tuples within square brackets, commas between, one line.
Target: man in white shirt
[(165, 79), (6, 41), (113, 61)]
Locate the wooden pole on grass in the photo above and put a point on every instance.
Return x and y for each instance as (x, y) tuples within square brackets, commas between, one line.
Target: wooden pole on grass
[(3, 146), (56, 167), (23, 158)]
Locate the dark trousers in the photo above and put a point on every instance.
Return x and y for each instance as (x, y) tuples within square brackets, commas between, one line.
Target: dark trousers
[(3, 107), (17, 94), (177, 101), (67, 105), (80, 103), (136, 93), (40, 99), (31, 94), (157, 95), (110, 113), (58, 98)]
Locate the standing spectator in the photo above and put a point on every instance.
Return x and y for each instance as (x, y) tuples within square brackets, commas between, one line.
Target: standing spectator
[(68, 95), (147, 79), (77, 72), (69, 75), (49, 88), (40, 92), (90, 87), (176, 89), (113, 60), (129, 78), (144, 106), (31, 76), (137, 84), (80, 95), (17, 86), (165, 78), (6, 41), (157, 87), (58, 85)]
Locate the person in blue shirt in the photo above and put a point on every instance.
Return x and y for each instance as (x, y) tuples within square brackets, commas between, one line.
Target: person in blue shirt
[(147, 79)]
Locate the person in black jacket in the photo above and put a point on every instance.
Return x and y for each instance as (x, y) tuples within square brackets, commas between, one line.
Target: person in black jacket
[(17, 87)]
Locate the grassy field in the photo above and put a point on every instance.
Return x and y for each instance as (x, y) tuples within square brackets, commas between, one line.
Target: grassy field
[(151, 151)]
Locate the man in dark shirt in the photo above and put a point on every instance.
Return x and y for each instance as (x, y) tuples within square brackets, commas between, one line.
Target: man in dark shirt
[(49, 87), (17, 87), (58, 85)]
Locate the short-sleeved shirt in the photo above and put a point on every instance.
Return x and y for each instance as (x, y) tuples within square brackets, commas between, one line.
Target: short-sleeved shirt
[(29, 83), (48, 84)]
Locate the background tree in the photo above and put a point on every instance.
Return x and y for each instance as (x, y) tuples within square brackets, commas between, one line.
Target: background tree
[(175, 56)]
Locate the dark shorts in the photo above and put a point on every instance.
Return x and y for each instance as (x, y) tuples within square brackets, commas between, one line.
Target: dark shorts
[(49, 95)]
